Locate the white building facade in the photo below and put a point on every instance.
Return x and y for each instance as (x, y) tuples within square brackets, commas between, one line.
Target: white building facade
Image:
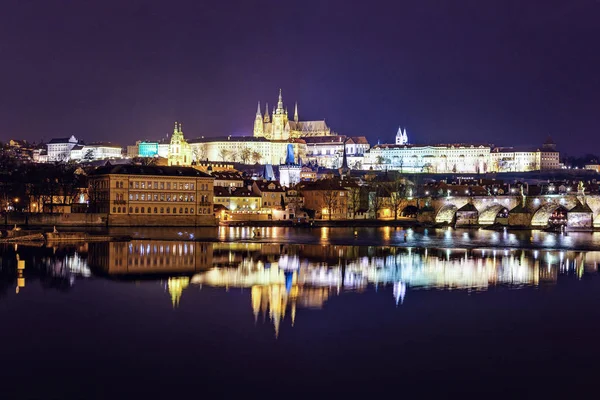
[(60, 149)]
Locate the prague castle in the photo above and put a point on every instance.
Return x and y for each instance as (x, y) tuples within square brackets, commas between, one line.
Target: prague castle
[(277, 126)]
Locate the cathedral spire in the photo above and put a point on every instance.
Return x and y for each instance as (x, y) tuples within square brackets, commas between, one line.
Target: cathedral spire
[(296, 112), (258, 114), (267, 118), (180, 131), (175, 130), (280, 103)]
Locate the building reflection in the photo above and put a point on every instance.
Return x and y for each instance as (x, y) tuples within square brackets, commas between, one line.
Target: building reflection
[(285, 279)]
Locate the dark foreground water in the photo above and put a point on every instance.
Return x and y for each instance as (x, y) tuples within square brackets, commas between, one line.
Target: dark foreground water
[(167, 318)]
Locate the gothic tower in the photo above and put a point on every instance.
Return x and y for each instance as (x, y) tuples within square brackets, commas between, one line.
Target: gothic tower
[(258, 123), (279, 120)]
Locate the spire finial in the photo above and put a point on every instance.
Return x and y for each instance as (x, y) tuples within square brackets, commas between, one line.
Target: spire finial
[(296, 112), (180, 131), (280, 103), (258, 114)]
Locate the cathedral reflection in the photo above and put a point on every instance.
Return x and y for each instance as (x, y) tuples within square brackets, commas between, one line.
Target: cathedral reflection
[(284, 279)]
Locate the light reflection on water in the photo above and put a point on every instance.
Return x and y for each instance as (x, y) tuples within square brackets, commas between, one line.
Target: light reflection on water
[(283, 278), (371, 236)]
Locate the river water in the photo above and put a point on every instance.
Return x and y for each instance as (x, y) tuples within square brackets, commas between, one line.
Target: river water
[(323, 312)]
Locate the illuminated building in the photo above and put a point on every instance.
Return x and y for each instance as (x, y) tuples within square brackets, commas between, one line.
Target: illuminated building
[(180, 152), (237, 199), (245, 149), (96, 151), (328, 151), (143, 195), (277, 126), (148, 149), (401, 137), (327, 197), (289, 173), (60, 149), (458, 158)]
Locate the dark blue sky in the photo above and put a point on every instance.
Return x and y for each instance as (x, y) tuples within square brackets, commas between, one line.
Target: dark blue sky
[(508, 72)]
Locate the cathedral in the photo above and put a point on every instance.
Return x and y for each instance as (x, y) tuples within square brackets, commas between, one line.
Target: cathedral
[(277, 126)]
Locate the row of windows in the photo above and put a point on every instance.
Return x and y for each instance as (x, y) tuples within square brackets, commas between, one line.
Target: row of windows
[(164, 197), (161, 210), (227, 200), (164, 185)]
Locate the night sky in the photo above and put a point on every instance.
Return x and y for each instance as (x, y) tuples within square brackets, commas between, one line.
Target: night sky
[(507, 72)]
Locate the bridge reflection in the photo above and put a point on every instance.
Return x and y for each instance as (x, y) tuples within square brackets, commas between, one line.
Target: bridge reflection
[(284, 279)]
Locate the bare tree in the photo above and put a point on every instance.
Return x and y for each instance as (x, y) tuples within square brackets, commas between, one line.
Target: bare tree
[(256, 156), (354, 197), (330, 201), (376, 199), (379, 161), (202, 151), (245, 155), (223, 153), (397, 196)]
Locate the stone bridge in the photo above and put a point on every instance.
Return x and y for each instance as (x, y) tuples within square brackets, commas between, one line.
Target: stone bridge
[(581, 211)]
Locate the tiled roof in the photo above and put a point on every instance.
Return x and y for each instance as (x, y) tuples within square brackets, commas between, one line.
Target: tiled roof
[(129, 169)]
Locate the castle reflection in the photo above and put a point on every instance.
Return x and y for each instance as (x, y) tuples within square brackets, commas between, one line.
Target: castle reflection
[(284, 279)]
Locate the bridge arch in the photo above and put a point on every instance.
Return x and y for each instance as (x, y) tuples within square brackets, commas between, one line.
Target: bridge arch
[(542, 215), (488, 215), (409, 211), (446, 214)]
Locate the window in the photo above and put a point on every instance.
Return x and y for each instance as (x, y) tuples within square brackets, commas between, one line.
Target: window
[(174, 210), (180, 186), (130, 209), (191, 186), (168, 197), (156, 210), (143, 185), (137, 210), (192, 197), (156, 197), (162, 197), (137, 196), (137, 185), (180, 210), (187, 186), (168, 185), (168, 210), (142, 210), (114, 209), (162, 210), (118, 209), (155, 185), (149, 210), (185, 210), (162, 185), (131, 196), (144, 196), (191, 210)]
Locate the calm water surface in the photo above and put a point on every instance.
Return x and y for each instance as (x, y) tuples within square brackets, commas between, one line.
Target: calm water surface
[(318, 313)]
